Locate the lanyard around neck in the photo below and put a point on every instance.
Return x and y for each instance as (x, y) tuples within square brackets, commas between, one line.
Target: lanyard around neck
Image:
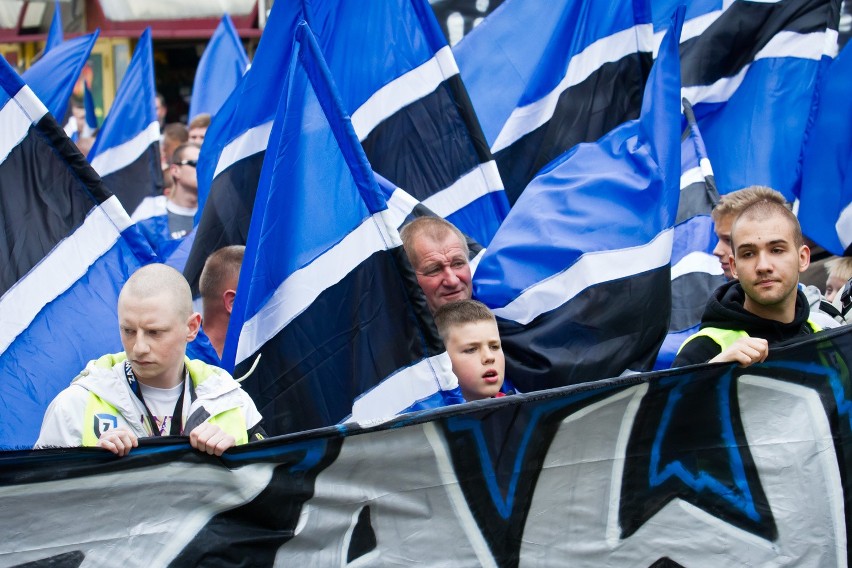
[(176, 426)]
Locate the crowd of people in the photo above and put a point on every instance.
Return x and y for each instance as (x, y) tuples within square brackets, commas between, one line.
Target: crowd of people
[(159, 385)]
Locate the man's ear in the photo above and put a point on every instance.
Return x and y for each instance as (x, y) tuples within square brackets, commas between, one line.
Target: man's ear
[(804, 258), (193, 324), (228, 299), (733, 264)]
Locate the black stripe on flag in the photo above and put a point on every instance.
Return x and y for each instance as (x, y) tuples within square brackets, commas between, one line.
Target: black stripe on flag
[(697, 199), (429, 144), (585, 112), (689, 297), (140, 179), (36, 214), (313, 370), (745, 28), (592, 332), (226, 216)]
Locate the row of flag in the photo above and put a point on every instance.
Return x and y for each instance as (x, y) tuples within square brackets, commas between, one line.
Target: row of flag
[(329, 140)]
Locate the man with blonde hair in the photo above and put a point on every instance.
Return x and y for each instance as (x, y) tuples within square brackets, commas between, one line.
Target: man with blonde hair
[(438, 253), (839, 272), (152, 388), (764, 306), (727, 210)]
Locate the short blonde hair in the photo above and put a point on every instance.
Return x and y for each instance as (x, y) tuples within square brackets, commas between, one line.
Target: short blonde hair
[(459, 313), (159, 279), (839, 268), (434, 228), (736, 202)]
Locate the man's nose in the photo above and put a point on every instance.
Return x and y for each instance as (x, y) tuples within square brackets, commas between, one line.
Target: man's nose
[(763, 262), (451, 279), (141, 344)]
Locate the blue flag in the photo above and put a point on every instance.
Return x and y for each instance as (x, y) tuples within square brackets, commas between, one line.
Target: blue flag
[(89, 105), (408, 106), (52, 78), (126, 153), (750, 70), (221, 67), (695, 271), (67, 249), (546, 75), (578, 274), (825, 199), (54, 35), (326, 298)]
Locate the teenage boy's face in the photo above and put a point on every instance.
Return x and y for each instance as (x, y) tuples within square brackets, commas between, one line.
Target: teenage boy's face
[(477, 357), (767, 262)]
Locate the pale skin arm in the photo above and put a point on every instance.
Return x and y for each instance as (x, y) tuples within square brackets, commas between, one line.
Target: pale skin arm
[(118, 440), (210, 438), (745, 351)]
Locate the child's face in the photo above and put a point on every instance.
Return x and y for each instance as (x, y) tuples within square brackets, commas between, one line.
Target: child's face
[(477, 358)]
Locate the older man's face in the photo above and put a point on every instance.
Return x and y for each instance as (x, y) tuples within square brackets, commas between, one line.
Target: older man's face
[(442, 269)]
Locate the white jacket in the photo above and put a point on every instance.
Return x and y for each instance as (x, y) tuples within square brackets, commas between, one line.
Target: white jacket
[(99, 398)]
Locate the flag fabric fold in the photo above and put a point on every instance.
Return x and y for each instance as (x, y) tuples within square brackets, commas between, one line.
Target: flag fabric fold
[(408, 106), (750, 70), (55, 37), (695, 271), (547, 75), (825, 198), (126, 153), (68, 246), (52, 78), (583, 292), (220, 68), (326, 297)]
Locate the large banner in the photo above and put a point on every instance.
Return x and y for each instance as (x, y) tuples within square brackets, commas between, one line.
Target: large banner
[(712, 465)]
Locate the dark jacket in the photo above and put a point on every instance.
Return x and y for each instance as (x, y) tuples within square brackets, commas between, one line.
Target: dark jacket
[(725, 310)]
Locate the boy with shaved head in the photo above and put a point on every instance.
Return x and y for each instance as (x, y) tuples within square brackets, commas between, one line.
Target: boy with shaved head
[(765, 305), (152, 388)]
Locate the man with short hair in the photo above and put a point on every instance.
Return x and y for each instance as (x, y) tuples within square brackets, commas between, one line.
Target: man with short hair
[(218, 288), (765, 306), (727, 210), (438, 253), (174, 134), (152, 388), (198, 128), (165, 220)]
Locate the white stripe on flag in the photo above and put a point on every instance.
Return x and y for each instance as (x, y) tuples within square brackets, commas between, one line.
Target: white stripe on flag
[(403, 91), (247, 144), (474, 263), (400, 206), (60, 269), (16, 116), (590, 269), (478, 182), (303, 287), (121, 156), (697, 262), (691, 28), (785, 44), (605, 50), (691, 176), (404, 388), (844, 226)]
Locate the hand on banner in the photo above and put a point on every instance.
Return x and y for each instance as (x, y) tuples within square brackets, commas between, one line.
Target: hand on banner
[(118, 440), (210, 438), (745, 351)]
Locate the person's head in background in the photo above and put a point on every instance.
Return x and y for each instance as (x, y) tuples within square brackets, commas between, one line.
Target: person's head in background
[(174, 134), (839, 272), (218, 288), (184, 189), (727, 210), (161, 110), (469, 331), (198, 128), (438, 253)]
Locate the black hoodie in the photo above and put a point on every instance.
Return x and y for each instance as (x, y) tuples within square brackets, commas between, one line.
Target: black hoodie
[(725, 310)]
